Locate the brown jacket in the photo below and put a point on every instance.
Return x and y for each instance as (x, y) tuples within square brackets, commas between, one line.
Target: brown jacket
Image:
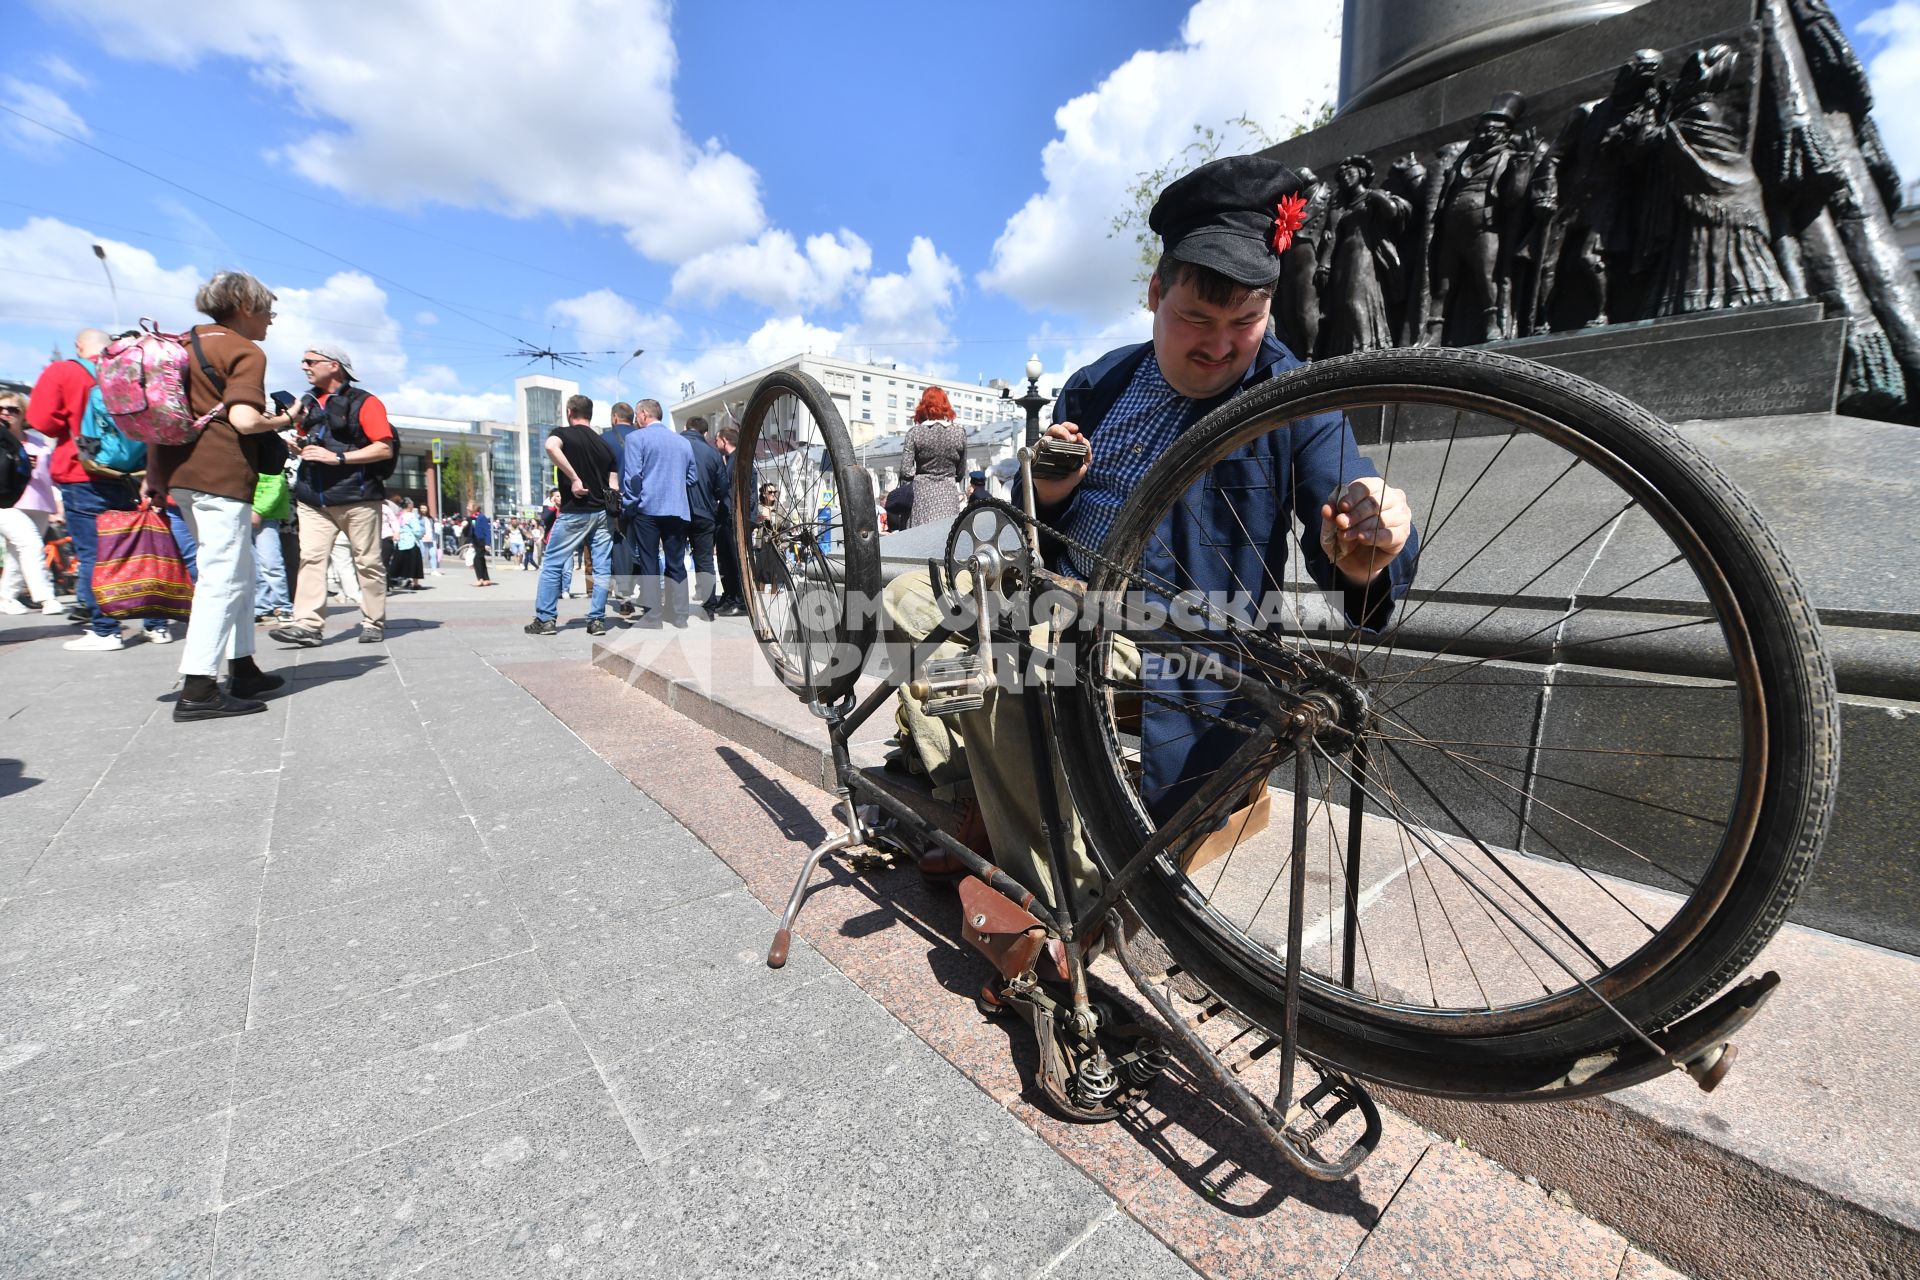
[(220, 460)]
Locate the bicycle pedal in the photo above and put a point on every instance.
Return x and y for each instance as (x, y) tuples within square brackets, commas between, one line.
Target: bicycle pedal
[(951, 686)]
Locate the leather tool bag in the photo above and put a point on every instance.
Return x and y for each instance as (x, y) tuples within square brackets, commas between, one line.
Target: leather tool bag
[(1000, 929)]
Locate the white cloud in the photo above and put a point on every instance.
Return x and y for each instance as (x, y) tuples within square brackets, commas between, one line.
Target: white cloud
[(42, 104), (52, 281), (773, 271), (778, 338), (903, 316), (51, 273), (470, 105), (1271, 63), (605, 320), (408, 397), (60, 71), (349, 310), (1894, 71)]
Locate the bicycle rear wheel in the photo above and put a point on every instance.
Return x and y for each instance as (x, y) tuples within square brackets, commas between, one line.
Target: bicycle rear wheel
[(1572, 782), (811, 571)]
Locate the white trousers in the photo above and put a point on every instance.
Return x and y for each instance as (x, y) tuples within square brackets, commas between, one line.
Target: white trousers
[(342, 577), (221, 624), (24, 533)]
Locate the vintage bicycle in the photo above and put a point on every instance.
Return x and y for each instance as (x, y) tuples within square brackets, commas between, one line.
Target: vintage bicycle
[(1510, 842)]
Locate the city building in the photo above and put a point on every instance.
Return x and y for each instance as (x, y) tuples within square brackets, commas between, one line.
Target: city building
[(874, 400)]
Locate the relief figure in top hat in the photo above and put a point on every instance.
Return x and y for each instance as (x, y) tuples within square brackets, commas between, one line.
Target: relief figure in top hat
[(1484, 191)]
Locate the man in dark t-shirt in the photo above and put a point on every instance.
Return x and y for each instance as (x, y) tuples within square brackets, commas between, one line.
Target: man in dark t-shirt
[(589, 477)]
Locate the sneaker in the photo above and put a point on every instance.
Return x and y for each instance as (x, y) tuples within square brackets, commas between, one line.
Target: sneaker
[(159, 635), (299, 637), (596, 627), (372, 635), (731, 609), (53, 608), (11, 605), (624, 607), (92, 642), (541, 627)]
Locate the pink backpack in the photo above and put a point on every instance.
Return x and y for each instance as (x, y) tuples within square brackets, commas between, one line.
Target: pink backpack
[(143, 382)]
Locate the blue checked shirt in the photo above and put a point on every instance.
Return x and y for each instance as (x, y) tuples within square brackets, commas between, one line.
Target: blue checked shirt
[(1142, 425)]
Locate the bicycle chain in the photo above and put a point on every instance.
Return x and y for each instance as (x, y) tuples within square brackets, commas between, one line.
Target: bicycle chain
[(1085, 555)]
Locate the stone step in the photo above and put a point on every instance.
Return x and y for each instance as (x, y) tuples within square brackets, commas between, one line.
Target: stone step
[(1632, 333), (1797, 1165)]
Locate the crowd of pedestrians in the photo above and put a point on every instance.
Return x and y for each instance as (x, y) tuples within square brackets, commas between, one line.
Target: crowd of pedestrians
[(275, 503), (639, 505)]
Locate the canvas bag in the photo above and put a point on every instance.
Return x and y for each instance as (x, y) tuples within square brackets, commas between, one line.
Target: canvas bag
[(138, 572)]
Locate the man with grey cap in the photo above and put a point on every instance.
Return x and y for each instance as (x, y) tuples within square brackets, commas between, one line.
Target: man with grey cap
[(347, 450), (1224, 228)]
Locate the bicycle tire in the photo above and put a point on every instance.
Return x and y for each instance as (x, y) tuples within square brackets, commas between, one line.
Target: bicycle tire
[(788, 416), (1787, 770)]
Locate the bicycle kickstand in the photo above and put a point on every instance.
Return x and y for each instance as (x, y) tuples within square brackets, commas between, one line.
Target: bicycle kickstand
[(847, 839)]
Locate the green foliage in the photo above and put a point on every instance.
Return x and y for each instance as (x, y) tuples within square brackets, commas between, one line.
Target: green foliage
[(460, 473), (1241, 134)]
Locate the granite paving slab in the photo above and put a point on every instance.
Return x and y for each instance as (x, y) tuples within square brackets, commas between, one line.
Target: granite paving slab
[(328, 1119), (110, 1201), (284, 1054), (396, 1208), (66, 1017), (67, 1117), (323, 957)]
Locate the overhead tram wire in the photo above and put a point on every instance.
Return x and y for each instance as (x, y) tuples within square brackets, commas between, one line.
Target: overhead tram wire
[(457, 310), (260, 222), (187, 298), (372, 217)]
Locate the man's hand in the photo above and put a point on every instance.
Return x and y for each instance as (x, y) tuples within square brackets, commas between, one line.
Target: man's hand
[(579, 487), (154, 489), (1049, 492), (317, 453), (1364, 526)]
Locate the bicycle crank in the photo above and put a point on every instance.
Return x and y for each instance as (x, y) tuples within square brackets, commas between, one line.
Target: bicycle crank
[(1085, 1079)]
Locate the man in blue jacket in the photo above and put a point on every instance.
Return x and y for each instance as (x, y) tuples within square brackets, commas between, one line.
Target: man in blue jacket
[(709, 499), (656, 471), (1211, 297)]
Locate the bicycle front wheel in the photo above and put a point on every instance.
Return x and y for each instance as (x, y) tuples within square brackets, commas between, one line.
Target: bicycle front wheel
[(806, 537), (1566, 788)]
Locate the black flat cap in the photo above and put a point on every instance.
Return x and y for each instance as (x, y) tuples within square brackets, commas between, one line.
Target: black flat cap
[(1224, 215)]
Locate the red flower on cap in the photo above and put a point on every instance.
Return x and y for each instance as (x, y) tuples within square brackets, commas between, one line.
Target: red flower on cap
[(1288, 217)]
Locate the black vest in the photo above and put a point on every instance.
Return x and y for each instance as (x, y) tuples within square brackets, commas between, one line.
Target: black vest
[(326, 484)]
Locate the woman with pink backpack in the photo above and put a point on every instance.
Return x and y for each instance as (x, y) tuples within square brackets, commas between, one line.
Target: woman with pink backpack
[(213, 478)]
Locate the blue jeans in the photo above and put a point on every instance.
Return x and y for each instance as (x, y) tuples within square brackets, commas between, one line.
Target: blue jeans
[(570, 529), (183, 538), (269, 570), (83, 503)]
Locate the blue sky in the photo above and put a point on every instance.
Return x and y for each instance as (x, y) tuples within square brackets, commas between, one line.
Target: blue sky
[(430, 184)]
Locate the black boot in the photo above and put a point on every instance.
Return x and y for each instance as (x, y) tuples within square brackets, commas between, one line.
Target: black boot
[(245, 679), (201, 699)]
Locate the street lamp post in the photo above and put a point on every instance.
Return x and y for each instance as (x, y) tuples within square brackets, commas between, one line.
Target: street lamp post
[(100, 252), (1032, 402)]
